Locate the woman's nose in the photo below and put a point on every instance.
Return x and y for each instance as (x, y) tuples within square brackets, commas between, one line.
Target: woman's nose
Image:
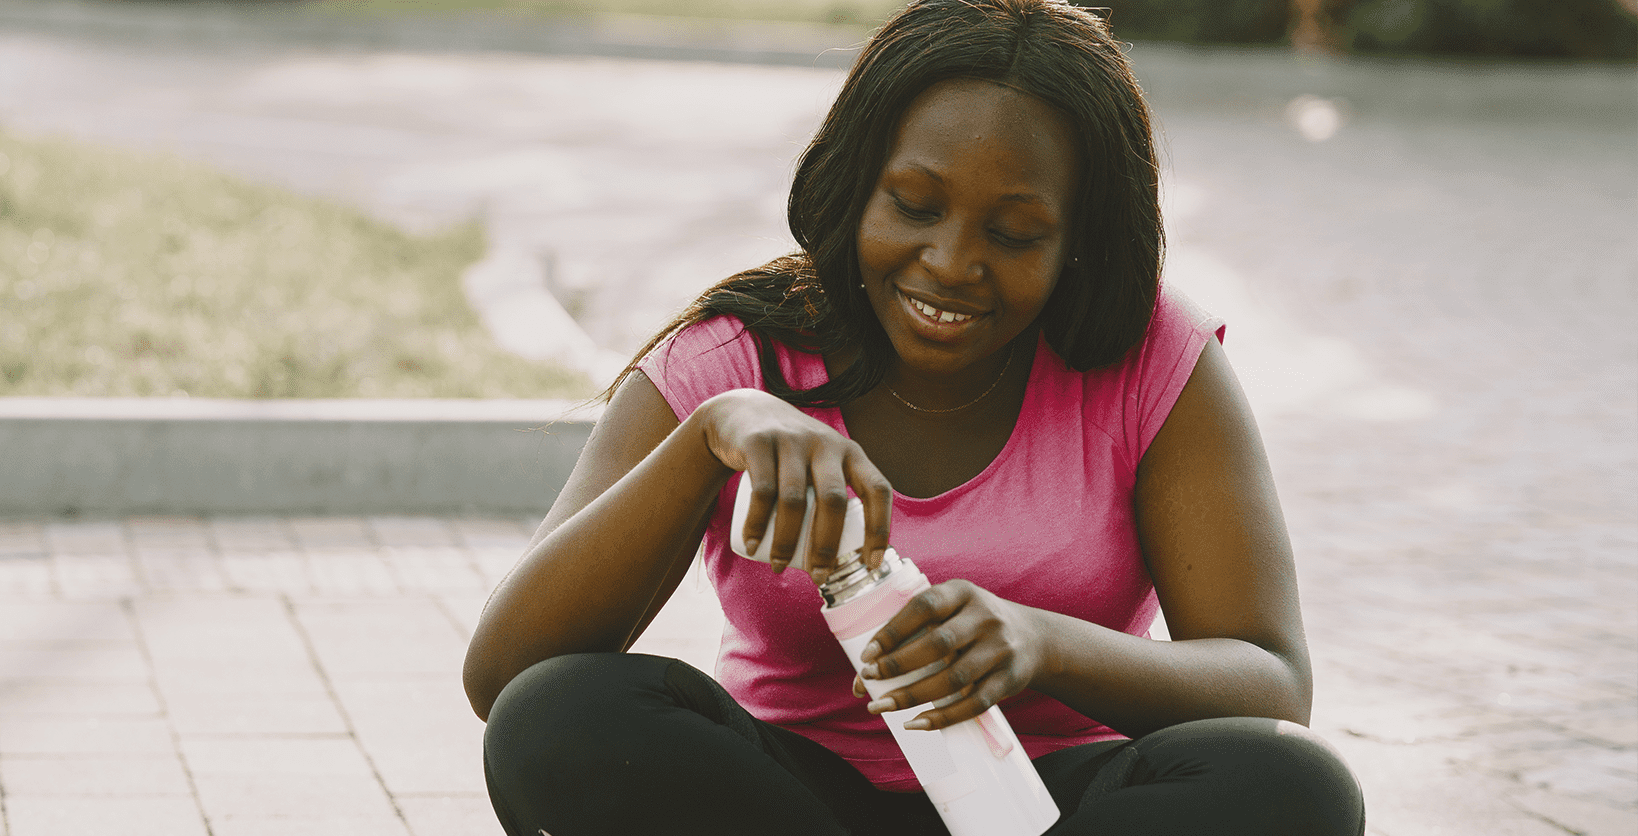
[(951, 256)]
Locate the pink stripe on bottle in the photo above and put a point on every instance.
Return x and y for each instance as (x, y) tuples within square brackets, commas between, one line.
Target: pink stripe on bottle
[(1000, 743)]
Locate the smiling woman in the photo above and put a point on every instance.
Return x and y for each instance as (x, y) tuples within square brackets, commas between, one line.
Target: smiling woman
[(966, 233), (974, 340)]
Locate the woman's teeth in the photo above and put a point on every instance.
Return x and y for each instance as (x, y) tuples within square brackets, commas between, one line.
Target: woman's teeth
[(935, 313)]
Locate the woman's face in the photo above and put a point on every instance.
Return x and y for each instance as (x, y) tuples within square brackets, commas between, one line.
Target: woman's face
[(965, 235)]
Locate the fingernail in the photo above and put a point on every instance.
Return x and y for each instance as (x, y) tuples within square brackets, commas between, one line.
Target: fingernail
[(869, 672), (878, 706), (751, 544), (919, 724), (821, 575), (779, 566), (870, 653)]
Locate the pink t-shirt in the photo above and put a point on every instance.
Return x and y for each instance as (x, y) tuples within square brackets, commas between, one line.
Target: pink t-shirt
[(1049, 524)]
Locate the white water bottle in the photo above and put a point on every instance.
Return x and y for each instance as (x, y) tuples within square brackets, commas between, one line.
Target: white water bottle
[(975, 772)]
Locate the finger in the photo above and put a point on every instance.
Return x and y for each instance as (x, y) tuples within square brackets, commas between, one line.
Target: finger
[(762, 469), (876, 493), (937, 642), (981, 662), (981, 696), (858, 687), (792, 504), (927, 610), (830, 511), (906, 697)]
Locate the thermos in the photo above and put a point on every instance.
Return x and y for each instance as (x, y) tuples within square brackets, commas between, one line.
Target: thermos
[(975, 772)]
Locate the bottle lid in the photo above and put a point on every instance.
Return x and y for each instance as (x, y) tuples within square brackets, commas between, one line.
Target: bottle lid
[(852, 529)]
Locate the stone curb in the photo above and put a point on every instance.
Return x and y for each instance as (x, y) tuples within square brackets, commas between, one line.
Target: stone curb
[(121, 456)]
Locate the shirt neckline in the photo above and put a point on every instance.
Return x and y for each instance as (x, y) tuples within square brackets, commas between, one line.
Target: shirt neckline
[(839, 423)]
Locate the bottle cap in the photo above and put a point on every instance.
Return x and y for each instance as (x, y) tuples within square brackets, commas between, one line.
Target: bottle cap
[(852, 529)]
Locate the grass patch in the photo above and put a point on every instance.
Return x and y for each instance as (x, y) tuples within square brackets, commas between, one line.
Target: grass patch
[(124, 274), (868, 12)]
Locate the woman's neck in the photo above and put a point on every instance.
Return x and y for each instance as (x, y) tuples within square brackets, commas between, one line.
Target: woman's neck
[(961, 391)]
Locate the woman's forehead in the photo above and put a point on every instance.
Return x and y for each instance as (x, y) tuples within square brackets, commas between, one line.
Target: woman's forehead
[(963, 126)]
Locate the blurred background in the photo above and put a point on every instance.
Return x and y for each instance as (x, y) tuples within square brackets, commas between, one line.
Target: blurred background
[(273, 199), (1417, 217)]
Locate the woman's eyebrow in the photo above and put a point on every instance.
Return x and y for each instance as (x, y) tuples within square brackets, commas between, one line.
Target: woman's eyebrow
[(1029, 198), (936, 177), (1023, 197)]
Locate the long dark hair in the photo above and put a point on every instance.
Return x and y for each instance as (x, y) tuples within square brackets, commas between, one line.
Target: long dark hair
[(812, 300)]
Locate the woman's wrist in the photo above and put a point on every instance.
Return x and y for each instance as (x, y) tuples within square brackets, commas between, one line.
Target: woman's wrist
[(700, 427), (1051, 647)]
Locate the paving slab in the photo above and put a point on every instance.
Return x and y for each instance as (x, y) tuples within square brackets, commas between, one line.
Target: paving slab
[(419, 733), (30, 815), (84, 735), (406, 636), (450, 813), (304, 784), (95, 775), (97, 699)]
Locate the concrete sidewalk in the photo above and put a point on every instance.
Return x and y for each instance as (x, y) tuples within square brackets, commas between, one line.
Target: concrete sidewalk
[(279, 675), (174, 676)]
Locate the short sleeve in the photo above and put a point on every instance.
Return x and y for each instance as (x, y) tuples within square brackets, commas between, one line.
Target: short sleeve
[(702, 361), (1177, 334)]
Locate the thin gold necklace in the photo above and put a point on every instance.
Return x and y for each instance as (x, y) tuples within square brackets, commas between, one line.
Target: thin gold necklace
[(1010, 351)]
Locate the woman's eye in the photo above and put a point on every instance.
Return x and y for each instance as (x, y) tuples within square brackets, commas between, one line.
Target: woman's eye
[(913, 212), (1013, 241)]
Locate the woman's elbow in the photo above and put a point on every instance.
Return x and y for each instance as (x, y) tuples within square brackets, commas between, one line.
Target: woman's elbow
[(1298, 703), (478, 682)]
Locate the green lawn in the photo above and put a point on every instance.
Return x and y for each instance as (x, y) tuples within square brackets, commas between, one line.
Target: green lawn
[(869, 12), (131, 275)]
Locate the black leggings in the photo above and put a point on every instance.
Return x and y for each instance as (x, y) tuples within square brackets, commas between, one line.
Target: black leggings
[(613, 743)]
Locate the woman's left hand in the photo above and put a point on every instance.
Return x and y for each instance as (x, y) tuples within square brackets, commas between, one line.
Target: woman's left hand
[(992, 649)]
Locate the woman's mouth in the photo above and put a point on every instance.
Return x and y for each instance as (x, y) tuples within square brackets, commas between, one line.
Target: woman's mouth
[(936, 323), (934, 313)]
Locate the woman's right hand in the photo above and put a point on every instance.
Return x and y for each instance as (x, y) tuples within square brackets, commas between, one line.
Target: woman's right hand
[(783, 452)]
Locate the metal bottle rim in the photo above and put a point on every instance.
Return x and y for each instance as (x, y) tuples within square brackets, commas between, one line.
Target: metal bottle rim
[(853, 578)]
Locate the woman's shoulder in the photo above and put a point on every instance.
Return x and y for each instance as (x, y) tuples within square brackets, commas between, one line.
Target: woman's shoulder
[(1129, 400), (1178, 319), (707, 335), (715, 339), (700, 360), (1177, 326), (1178, 332)]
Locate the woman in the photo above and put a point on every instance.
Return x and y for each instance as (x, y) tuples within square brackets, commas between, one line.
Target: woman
[(974, 341)]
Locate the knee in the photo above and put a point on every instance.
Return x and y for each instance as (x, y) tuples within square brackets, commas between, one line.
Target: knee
[(1295, 751), (1321, 788), (560, 709), (1283, 769)]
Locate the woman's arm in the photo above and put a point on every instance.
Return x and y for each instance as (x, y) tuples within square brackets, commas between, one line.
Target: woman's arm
[(1211, 530), (620, 536)]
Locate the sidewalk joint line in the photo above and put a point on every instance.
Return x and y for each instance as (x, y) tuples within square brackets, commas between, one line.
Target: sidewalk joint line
[(128, 606), (341, 708)]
